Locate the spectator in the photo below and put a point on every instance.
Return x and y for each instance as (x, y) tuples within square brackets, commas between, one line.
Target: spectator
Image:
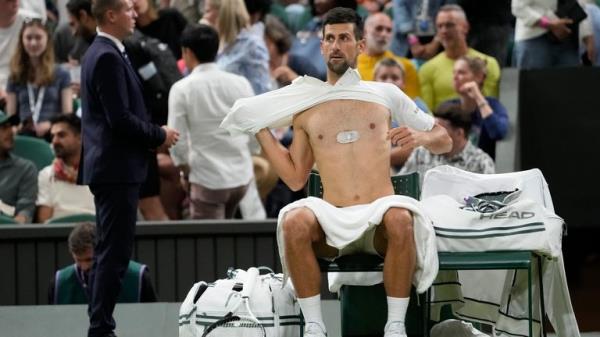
[(58, 193), (218, 165), (543, 39), (258, 10), (492, 27), (18, 177), (488, 115), (378, 37), (165, 24), (390, 71), (414, 28), (283, 66), (436, 74), (69, 285), (240, 52), (463, 155), (37, 89), (11, 21)]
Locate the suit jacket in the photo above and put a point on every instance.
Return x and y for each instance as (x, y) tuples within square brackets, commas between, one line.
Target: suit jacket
[(117, 136)]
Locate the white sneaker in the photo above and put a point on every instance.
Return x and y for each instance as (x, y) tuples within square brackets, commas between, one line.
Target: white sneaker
[(314, 329), (394, 329)]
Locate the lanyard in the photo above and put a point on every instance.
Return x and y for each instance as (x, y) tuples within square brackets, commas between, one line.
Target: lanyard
[(35, 106)]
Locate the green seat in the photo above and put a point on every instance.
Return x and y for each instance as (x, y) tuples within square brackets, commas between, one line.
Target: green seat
[(497, 260), (83, 217), (6, 220), (364, 308), (34, 149)]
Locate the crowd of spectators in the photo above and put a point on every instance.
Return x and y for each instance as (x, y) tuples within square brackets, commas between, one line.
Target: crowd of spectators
[(447, 55)]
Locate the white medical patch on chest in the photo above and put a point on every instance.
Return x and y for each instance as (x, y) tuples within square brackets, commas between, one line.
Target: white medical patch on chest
[(345, 137)]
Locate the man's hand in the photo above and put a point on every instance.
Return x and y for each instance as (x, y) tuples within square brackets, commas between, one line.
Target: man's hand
[(559, 28), (20, 218), (405, 137), (590, 48), (42, 128), (184, 177), (284, 74), (471, 90), (171, 138)]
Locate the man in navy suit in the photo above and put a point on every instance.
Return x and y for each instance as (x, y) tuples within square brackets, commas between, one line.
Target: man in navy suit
[(117, 140)]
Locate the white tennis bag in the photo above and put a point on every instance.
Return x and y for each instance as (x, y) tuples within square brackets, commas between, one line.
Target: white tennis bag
[(274, 305)]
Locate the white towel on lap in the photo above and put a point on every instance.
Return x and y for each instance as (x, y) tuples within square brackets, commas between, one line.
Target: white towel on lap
[(343, 225)]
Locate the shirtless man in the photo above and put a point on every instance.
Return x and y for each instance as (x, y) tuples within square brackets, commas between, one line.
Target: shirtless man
[(350, 141)]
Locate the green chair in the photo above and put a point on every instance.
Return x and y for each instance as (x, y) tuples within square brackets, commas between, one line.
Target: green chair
[(364, 308), (83, 217), (34, 149), (6, 220), (497, 260)]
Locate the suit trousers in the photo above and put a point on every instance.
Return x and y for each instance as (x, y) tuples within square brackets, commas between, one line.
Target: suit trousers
[(116, 215)]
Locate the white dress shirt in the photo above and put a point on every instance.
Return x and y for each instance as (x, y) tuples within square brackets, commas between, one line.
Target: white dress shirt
[(116, 41), (197, 105), (277, 108)]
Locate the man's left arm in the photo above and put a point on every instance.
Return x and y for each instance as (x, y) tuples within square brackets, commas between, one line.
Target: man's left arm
[(27, 194), (435, 140), (418, 128)]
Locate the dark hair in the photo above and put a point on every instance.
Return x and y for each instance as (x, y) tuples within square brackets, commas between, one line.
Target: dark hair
[(344, 15), (258, 6), (388, 62), (100, 7), (336, 3), (71, 120), (75, 6), (453, 113), (276, 31), (82, 237), (202, 40)]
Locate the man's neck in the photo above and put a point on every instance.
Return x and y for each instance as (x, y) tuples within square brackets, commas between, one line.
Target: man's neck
[(112, 32), (72, 160), (457, 50), (332, 77), (374, 53), (3, 155)]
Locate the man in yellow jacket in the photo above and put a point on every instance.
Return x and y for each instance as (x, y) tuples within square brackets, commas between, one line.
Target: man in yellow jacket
[(378, 38)]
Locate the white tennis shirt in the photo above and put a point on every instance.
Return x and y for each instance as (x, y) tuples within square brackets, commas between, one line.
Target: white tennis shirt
[(277, 108)]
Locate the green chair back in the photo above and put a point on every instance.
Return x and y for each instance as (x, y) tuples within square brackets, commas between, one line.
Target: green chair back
[(83, 217), (407, 184), (6, 220), (34, 149)]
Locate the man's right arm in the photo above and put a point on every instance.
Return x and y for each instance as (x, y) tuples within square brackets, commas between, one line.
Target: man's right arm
[(293, 165), (110, 86)]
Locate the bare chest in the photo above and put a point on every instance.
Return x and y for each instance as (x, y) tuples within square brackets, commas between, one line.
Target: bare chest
[(345, 122)]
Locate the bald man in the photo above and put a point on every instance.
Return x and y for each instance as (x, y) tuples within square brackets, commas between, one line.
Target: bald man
[(378, 38)]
